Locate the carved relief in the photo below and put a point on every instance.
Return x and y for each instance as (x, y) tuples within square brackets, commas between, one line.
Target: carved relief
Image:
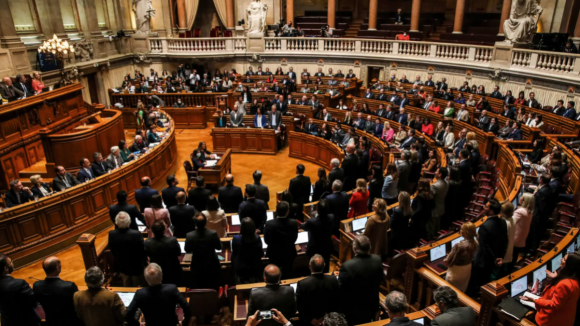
[(33, 117), (84, 50), (141, 58)]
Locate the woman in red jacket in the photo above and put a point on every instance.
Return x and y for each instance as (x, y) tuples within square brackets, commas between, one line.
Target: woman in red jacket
[(427, 127), (358, 200), (557, 305)]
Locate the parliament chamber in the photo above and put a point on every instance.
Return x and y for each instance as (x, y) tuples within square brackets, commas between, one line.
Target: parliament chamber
[(292, 162)]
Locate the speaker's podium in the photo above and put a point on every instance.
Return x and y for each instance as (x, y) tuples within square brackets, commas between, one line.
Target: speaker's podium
[(215, 172)]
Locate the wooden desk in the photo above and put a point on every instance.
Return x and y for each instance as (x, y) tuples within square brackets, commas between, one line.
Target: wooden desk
[(189, 117), (313, 149), (216, 175), (411, 316), (246, 140)]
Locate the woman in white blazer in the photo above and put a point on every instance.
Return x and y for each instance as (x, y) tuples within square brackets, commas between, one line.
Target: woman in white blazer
[(523, 219)]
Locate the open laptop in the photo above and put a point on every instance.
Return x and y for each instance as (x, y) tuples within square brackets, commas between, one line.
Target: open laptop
[(437, 253), (456, 241), (126, 297), (556, 262), (358, 225), (519, 286), (302, 238)]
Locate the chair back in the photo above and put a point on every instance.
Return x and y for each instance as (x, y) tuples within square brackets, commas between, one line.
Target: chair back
[(187, 166), (203, 302)]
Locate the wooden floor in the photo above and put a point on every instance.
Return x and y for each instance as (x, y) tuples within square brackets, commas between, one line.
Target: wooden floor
[(277, 170)]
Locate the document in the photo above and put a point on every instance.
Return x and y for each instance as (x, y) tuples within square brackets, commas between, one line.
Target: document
[(529, 303), (126, 297), (211, 162)]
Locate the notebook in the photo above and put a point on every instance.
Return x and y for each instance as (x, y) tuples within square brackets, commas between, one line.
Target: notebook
[(512, 307)]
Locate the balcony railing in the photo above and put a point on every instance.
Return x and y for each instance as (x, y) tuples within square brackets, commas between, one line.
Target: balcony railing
[(536, 62)]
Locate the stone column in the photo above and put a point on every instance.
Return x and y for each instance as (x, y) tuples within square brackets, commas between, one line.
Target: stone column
[(373, 8), (505, 15), (231, 20), (290, 12), (415, 15), (51, 19), (459, 11), (181, 15), (11, 41), (125, 23), (331, 13)]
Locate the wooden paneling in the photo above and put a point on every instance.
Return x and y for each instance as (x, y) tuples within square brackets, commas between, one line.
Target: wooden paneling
[(245, 140), (313, 149)]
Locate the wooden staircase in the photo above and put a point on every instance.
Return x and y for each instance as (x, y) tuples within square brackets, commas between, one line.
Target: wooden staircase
[(353, 28)]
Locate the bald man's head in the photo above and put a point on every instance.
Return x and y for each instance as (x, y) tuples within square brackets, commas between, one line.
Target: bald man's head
[(145, 181), (230, 179), (272, 274), (51, 266), (7, 81), (181, 197), (350, 148)]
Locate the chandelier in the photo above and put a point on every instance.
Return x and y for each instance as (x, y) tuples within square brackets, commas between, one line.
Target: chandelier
[(57, 50)]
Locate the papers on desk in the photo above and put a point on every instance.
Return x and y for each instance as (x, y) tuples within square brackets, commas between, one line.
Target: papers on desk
[(141, 228), (182, 246), (277, 131), (236, 220), (153, 145), (211, 163), (139, 222), (528, 303), (126, 297), (269, 215)]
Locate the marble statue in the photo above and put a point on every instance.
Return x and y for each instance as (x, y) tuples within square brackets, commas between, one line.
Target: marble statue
[(256, 16), (144, 11), (84, 50), (523, 21)]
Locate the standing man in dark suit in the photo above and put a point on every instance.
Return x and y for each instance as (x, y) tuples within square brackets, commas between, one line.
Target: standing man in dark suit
[(493, 243), (85, 172), (262, 191), (143, 195), (205, 265), (272, 296), (337, 173), (404, 170), (338, 205), (300, 187), (274, 118), (157, 302), (360, 278), (56, 296), (17, 301), (99, 166), (317, 294), (18, 194), (165, 251), (349, 165), (396, 304), (122, 206), (451, 315), (253, 208), (230, 196), (128, 250), (543, 208), (181, 216), (198, 196), (280, 235), (169, 194), (63, 180)]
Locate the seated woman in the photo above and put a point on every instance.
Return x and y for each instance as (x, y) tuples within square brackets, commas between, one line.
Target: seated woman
[(39, 188), (460, 99), (37, 84), (226, 84), (439, 133), (341, 105), (279, 72), (430, 164), (325, 131), (205, 154), (196, 161), (449, 110), (365, 109), (427, 127), (348, 119), (435, 108), (271, 79), (260, 119), (255, 88), (318, 81), (305, 89), (470, 101), (316, 90), (388, 132), (221, 120), (126, 154), (422, 94), (521, 115)]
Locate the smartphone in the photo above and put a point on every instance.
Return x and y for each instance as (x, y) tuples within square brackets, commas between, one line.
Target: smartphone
[(265, 314)]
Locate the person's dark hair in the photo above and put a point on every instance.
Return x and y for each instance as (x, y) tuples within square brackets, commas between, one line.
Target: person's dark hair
[(122, 196), (464, 153), (122, 144), (170, 179), (212, 204), (199, 181), (82, 161), (322, 177), (300, 168), (158, 229), (444, 172), (424, 189), (282, 209), (3, 262), (322, 208), (156, 202), (200, 220), (248, 230), (495, 206), (377, 173), (454, 174), (570, 271), (334, 319), (250, 190), (257, 175), (545, 179), (445, 295)]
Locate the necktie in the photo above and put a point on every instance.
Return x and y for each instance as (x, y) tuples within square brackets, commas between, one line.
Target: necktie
[(89, 172), (66, 183), (10, 91)]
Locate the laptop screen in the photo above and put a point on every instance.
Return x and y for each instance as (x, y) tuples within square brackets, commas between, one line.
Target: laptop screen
[(126, 297), (182, 245), (437, 252), (570, 248), (540, 274), (456, 241), (556, 262), (302, 238), (419, 321), (269, 215), (359, 224), (519, 286)]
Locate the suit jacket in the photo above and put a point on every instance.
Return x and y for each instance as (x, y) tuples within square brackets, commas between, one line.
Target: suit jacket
[(157, 303), (280, 235), (544, 204), (111, 161), (570, 113), (369, 95), (24, 88), (169, 195), (128, 249), (336, 174), (36, 191), (402, 119), (83, 175), (492, 128), (278, 119), (254, 209), (493, 242), (439, 190), (223, 121), (466, 172), (230, 198), (12, 200), (272, 296), (349, 165), (406, 144), (508, 114), (311, 128), (516, 134), (58, 182), (181, 216), (390, 115), (317, 295), (457, 316), (404, 170), (100, 168), (9, 92), (17, 303), (403, 321), (165, 252), (338, 203), (300, 190), (262, 119), (533, 103), (483, 122), (361, 278), (497, 95), (559, 110), (236, 118), (197, 197), (99, 307), (143, 197), (205, 265), (56, 298), (327, 117), (132, 210), (378, 130), (382, 97)]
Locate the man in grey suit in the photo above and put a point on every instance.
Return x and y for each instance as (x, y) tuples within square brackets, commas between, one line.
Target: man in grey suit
[(404, 169), (451, 314), (8, 91), (439, 190), (369, 125), (236, 118), (262, 191), (274, 118)]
